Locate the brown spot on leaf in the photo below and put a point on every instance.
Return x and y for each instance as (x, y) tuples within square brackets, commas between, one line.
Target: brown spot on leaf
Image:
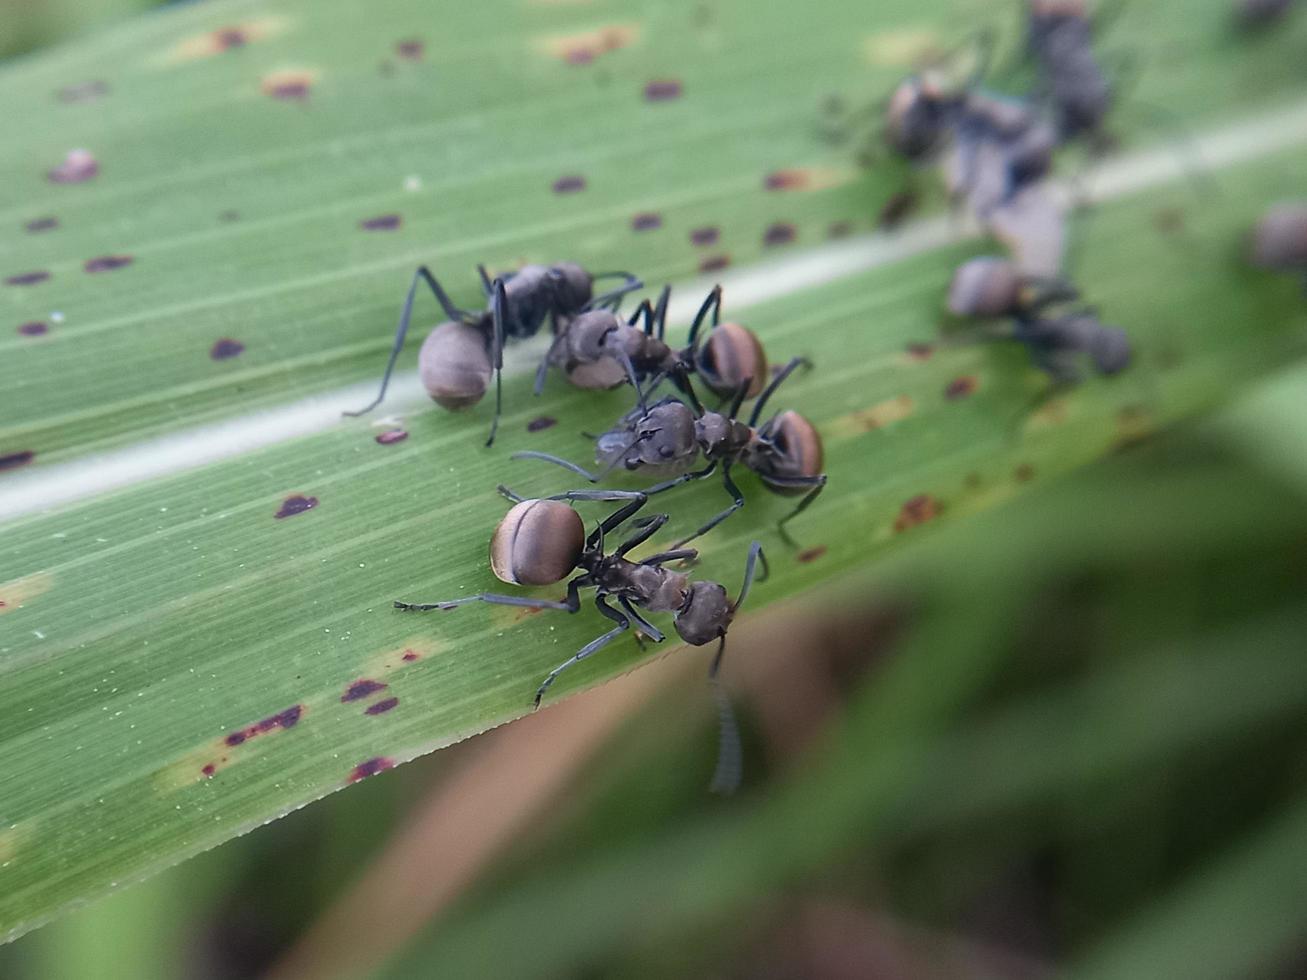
[(972, 481), (409, 656), (780, 233), (898, 207), (704, 236), (540, 423), (569, 184), (919, 350), (961, 387), (289, 86), (296, 504), (583, 47), (381, 707), (11, 461), (232, 37), (83, 91), (226, 38), (208, 770), (37, 225), (391, 436), (1024, 473), (840, 229), (807, 178), (280, 721), (811, 554), (382, 222), (646, 221), (16, 592), (106, 263), (27, 278), (361, 689), (370, 767), (579, 56), (410, 49), (224, 348), (662, 90), (786, 180), (78, 166), (918, 510), (884, 413), (34, 328), (714, 263)]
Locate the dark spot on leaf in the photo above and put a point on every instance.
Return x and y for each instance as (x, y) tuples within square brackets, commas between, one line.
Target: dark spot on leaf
[(919, 350), (918, 510), (229, 216), (898, 207), (391, 436), (42, 224), (107, 263), (281, 720), (1169, 221), (409, 656), (381, 707), (786, 180), (361, 689), (961, 387), (225, 347), (382, 222), (296, 505), (410, 48), (1024, 473), (78, 165), (83, 91), (972, 481), (209, 769), (662, 90), (704, 236), (646, 221), (235, 738), (540, 423), (289, 86), (11, 461), (569, 184), (840, 229), (27, 278), (780, 233), (33, 329), (226, 38), (370, 767), (811, 554), (714, 263), (579, 56)]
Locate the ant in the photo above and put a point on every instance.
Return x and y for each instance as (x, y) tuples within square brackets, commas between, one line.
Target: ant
[(668, 437), (596, 345), (992, 287), (1279, 240), (542, 541), (459, 356), (1059, 37)]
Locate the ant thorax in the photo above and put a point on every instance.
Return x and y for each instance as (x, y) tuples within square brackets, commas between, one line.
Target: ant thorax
[(654, 589)]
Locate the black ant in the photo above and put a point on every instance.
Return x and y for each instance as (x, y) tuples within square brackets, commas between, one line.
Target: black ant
[(1060, 36), (459, 356), (785, 452), (992, 287), (595, 349), (542, 541)]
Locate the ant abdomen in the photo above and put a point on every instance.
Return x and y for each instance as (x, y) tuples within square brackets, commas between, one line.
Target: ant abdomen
[(732, 355), (539, 542), (455, 365), (797, 452), (984, 286)]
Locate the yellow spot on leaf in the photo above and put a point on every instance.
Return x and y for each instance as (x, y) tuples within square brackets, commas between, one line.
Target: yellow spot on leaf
[(414, 651), (585, 45), (1051, 413), (906, 47), (878, 416), (235, 35), (20, 591)]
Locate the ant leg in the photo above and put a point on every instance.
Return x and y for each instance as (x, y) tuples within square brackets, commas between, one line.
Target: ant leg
[(498, 303), (631, 376), (755, 555), (714, 303), (726, 774), (776, 382), (615, 519), (643, 625), (683, 478), (543, 369), (738, 502), (649, 527), (570, 605), (421, 274), (594, 645), (818, 484), (660, 312), (486, 285), (558, 461), (632, 283), (663, 557)]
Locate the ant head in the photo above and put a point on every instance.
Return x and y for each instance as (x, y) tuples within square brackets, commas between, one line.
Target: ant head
[(706, 614), (455, 365), (985, 286), (666, 433), (573, 286), (916, 118), (711, 430), (539, 542), (731, 356), (1280, 239), (796, 450)]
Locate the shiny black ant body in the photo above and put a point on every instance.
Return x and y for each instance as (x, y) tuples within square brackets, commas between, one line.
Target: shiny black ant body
[(668, 437), (542, 541), (459, 356)]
